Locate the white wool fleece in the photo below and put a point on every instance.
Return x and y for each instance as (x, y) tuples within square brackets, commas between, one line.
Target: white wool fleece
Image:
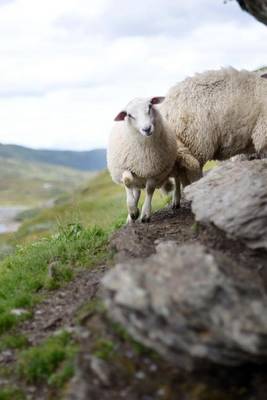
[(218, 114)]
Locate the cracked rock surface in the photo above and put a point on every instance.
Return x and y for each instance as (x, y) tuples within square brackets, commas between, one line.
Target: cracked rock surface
[(233, 197), (181, 303)]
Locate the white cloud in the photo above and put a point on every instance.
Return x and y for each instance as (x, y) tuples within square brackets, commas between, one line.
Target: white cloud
[(67, 66)]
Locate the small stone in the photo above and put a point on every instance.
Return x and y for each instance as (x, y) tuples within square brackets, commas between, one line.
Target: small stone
[(6, 356), (153, 368), (140, 375), (18, 312)]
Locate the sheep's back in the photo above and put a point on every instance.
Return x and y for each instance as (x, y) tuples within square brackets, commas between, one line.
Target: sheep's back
[(214, 113)]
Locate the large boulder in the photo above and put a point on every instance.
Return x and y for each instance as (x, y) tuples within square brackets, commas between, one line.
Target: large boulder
[(257, 8), (233, 197), (182, 303)]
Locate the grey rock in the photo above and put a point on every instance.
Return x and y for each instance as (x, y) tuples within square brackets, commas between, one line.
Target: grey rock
[(181, 303), (233, 197)]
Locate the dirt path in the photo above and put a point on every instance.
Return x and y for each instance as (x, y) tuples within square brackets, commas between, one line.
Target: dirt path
[(59, 310)]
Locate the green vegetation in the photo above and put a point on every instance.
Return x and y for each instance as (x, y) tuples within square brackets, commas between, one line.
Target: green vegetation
[(45, 260), (46, 263), (10, 393), (104, 349), (100, 203), (16, 341), (50, 362)]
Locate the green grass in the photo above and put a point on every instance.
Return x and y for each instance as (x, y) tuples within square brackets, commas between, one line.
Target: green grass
[(25, 273), (52, 258), (100, 203), (50, 362), (10, 393), (16, 341)]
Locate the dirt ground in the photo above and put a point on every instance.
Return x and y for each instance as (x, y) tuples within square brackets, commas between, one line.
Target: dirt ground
[(110, 364)]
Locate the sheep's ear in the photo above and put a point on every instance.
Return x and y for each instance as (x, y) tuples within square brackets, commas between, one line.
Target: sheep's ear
[(264, 76), (121, 116), (157, 100)]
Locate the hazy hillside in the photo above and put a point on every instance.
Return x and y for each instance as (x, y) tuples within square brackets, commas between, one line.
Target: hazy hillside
[(93, 160), (30, 183)]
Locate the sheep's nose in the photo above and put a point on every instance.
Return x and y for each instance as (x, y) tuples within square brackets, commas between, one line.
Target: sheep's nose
[(147, 130)]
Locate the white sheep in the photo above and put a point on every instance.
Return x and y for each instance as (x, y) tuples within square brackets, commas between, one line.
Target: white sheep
[(142, 153), (218, 114)]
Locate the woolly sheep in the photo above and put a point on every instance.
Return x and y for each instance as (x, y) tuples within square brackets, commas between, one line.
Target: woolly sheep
[(142, 154), (218, 114)]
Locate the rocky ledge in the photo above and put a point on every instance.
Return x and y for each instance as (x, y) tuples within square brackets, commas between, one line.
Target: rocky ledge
[(194, 304)]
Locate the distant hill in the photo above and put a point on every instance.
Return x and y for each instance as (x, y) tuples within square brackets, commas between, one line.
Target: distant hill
[(92, 160), (29, 183)]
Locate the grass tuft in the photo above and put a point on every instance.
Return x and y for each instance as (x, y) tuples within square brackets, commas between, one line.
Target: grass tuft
[(9, 393), (16, 341), (50, 362)]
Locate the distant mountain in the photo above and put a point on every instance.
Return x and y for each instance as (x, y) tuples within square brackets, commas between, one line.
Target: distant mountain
[(92, 160)]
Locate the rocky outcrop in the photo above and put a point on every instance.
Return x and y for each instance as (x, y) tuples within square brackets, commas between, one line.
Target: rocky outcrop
[(257, 8), (193, 293), (183, 304), (233, 197)]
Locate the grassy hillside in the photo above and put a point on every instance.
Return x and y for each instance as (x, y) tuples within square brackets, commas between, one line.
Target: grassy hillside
[(75, 235), (100, 203), (29, 183), (94, 160)]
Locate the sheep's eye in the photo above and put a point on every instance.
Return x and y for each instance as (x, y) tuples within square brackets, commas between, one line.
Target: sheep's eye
[(149, 107), (130, 116)]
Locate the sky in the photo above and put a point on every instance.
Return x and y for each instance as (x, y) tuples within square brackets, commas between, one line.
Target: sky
[(67, 67)]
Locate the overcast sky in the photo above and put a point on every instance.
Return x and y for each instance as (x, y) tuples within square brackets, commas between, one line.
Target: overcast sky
[(67, 67)]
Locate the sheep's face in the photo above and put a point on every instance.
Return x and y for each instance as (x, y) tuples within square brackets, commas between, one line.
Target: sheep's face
[(141, 115)]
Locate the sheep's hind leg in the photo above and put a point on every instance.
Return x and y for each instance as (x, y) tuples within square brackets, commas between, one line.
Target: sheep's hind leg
[(176, 197), (146, 209)]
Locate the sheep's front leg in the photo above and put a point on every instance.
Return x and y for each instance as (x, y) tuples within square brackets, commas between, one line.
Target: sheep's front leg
[(146, 209), (176, 197), (132, 196), (133, 211), (136, 193)]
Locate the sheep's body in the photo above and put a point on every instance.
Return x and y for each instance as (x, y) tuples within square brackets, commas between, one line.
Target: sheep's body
[(138, 160), (218, 114), (146, 158)]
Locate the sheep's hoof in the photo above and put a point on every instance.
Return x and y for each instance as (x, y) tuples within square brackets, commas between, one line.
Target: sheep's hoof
[(129, 220), (132, 217), (145, 219), (175, 206), (135, 215)]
